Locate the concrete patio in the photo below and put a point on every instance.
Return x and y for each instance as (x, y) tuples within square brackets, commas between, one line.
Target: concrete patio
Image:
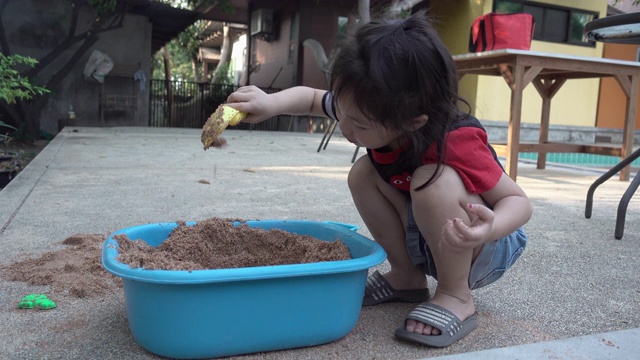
[(575, 292)]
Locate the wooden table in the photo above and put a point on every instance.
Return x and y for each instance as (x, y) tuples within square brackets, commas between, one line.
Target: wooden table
[(548, 72)]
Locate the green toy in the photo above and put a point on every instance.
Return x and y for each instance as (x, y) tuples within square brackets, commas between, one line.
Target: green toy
[(40, 301), (25, 304)]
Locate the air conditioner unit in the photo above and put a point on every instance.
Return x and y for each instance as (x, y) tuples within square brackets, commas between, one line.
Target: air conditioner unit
[(262, 22)]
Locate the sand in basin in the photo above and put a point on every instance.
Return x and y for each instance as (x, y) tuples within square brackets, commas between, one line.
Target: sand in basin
[(215, 243)]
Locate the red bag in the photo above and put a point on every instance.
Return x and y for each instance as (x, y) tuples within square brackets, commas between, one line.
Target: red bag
[(495, 31)]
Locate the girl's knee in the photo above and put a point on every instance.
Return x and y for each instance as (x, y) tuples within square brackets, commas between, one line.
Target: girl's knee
[(443, 181), (447, 185), (446, 198), (361, 171)]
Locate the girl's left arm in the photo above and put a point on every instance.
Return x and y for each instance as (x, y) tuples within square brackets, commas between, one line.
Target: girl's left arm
[(511, 210), (511, 207)]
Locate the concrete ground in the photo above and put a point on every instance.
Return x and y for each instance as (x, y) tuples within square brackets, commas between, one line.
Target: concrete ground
[(575, 292)]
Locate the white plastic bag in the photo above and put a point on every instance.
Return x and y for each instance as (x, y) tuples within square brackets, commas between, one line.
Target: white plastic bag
[(98, 65)]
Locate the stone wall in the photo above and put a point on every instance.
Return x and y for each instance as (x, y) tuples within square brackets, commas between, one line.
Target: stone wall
[(497, 132), (35, 28)]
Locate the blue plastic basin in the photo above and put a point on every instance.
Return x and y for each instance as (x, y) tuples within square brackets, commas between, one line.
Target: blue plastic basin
[(225, 312)]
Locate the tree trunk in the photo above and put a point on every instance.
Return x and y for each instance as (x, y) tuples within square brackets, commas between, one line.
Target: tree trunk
[(221, 72), (196, 73), (363, 11), (168, 85), (4, 43)]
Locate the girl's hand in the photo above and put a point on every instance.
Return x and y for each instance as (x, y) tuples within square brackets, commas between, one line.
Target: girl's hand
[(458, 236), (253, 101)]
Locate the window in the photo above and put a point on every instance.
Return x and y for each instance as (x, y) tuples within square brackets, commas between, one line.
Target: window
[(553, 23)]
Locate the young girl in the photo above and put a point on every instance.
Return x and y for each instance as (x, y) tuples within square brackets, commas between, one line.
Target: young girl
[(430, 190)]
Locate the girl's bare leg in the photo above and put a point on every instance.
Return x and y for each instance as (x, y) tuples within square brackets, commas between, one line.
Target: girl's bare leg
[(384, 211), (445, 199)]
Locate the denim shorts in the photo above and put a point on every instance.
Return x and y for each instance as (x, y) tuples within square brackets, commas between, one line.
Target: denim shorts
[(495, 258)]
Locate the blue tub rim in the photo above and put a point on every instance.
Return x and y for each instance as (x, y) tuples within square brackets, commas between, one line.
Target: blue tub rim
[(376, 256)]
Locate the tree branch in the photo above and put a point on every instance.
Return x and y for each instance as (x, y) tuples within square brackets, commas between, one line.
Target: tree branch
[(70, 64), (101, 24)]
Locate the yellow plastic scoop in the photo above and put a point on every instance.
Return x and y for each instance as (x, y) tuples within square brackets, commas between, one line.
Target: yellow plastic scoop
[(217, 122)]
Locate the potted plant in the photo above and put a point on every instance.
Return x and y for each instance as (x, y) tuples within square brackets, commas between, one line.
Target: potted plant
[(13, 86)]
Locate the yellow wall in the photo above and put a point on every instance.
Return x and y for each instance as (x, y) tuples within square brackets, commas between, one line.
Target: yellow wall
[(574, 104), (453, 20)]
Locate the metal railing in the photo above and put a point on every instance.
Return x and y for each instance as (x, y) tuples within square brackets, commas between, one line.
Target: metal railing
[(193, 103)]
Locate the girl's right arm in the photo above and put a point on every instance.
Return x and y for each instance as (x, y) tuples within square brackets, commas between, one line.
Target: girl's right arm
[(259, 106)]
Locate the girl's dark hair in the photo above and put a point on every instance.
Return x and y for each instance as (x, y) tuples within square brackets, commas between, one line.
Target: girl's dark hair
[(396, 70)]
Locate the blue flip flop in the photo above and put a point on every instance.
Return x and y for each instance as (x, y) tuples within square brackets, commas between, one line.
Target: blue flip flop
[(379, 291), (451, 327)]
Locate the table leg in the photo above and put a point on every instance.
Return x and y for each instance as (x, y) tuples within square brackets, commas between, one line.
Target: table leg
[(544, 130), (513, 134), (547, 89), (630, 87), (327, 135)]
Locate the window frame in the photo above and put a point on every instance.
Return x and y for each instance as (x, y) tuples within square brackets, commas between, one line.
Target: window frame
[(570, 10)]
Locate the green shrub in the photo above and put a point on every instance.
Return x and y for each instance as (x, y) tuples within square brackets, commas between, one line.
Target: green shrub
[(14, 86)]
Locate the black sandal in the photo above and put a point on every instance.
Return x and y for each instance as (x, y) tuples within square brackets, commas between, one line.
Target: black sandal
[(379, 291)]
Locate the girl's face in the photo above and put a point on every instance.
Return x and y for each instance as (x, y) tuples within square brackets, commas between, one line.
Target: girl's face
[(362, 131)]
